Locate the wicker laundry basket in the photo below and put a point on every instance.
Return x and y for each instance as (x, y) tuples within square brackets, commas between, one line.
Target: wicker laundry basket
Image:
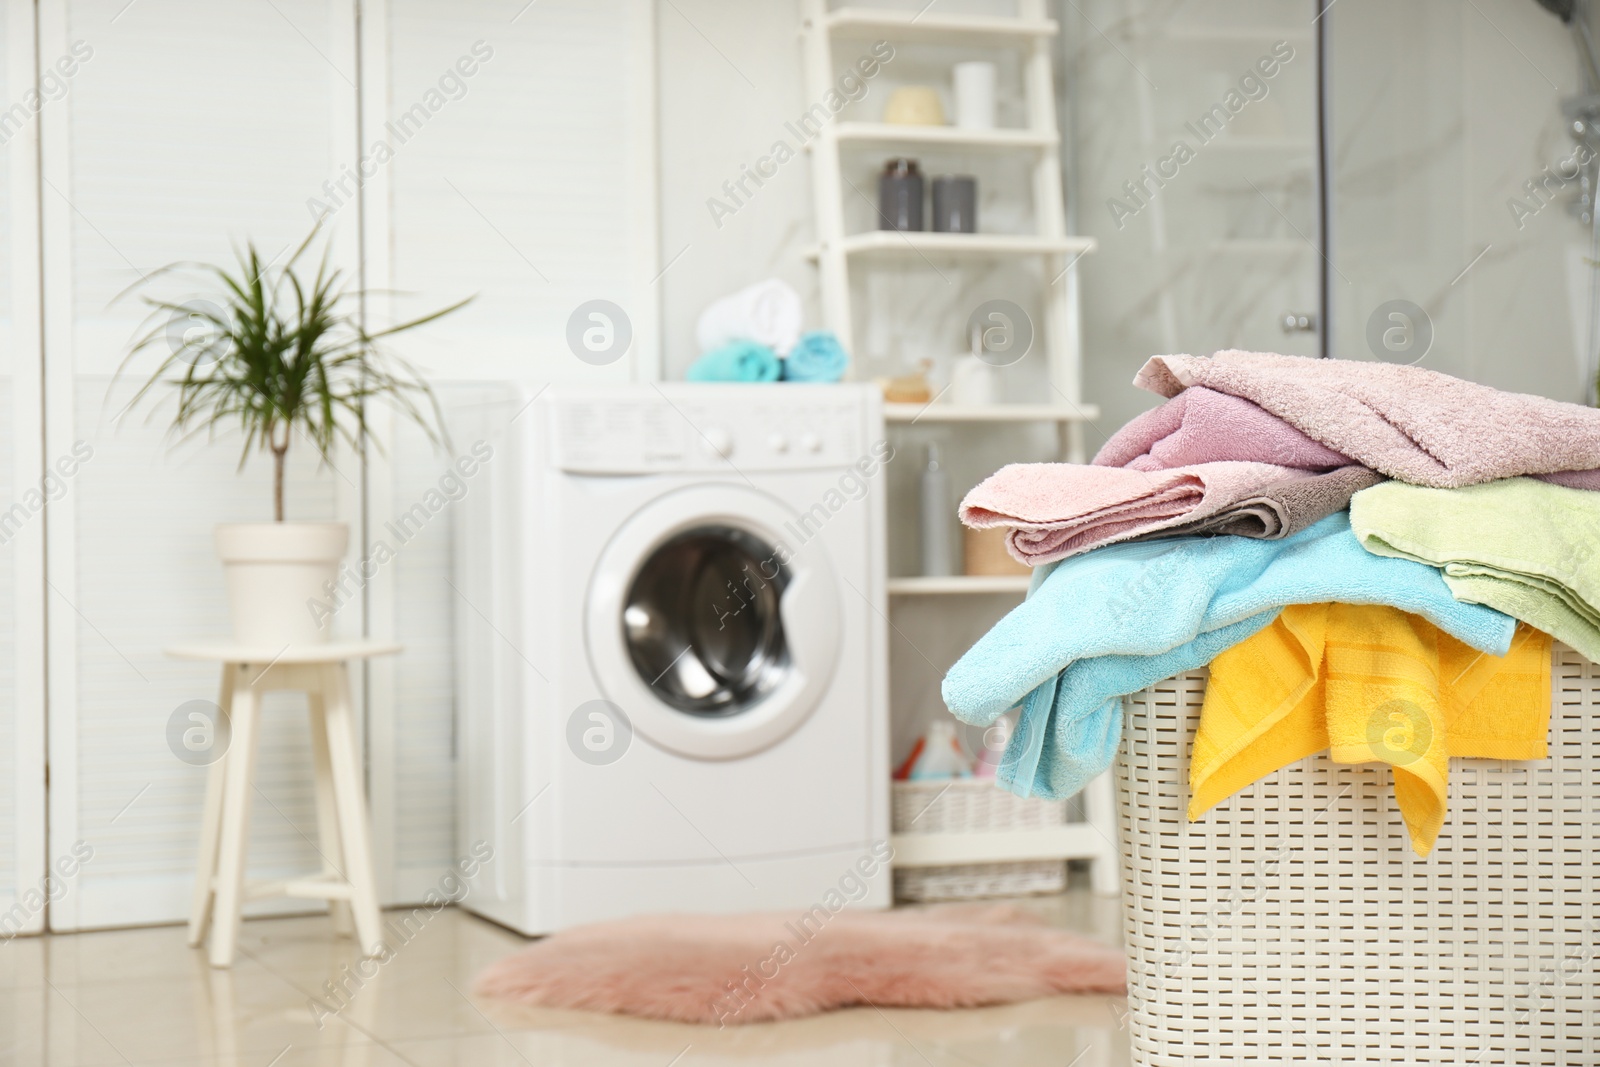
[(1293, 924), (973, 806)]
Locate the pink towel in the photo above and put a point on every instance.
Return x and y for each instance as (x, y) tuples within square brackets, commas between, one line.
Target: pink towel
[(1201, 425), (1410, 423), (1056, 510)]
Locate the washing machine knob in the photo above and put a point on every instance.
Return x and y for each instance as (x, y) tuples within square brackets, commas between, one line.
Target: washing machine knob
[(778, 443), (811, 443), (719, 441)]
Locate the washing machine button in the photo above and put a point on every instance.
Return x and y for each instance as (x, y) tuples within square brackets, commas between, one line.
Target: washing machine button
[(811, 443), (719, 441), (778, 443)]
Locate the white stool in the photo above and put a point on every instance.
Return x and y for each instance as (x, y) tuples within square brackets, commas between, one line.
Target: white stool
[(346, 880)]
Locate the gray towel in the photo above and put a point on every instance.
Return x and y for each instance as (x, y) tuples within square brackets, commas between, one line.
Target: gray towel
[(1283, 508)]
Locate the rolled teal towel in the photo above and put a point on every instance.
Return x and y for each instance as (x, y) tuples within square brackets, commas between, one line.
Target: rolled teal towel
[(1110, 622), (737, 361), (816, 357)]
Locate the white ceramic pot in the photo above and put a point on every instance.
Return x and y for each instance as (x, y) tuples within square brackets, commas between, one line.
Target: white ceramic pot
[(276, 572)]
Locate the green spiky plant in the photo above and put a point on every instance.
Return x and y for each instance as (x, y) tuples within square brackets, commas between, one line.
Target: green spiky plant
[(278, 354)]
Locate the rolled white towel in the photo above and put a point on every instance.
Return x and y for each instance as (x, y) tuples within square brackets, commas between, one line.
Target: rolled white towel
[(767, 312)]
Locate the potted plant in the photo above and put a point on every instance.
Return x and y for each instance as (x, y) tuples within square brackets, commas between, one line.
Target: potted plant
[(279, 356)]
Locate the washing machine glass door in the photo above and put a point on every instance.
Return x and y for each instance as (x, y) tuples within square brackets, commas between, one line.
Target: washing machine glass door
[(711, 633), (703, 620)]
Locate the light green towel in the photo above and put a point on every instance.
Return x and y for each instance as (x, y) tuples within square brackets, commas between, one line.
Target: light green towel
[(1524, 547)]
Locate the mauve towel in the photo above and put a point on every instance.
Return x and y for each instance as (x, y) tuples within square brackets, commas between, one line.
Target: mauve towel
[(1056, 510), (1410, 423), (1201, 425)]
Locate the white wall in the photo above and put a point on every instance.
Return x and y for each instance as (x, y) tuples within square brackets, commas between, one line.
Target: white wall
[(729, 78)]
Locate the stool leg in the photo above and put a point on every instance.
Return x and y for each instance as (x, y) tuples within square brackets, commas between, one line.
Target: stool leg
[(210, 824), (237, 785), (347, 785), (328, 834)]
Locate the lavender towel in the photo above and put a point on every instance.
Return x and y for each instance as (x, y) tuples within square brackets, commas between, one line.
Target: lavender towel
[(1056, 510), (1201, 425), (1410, 423)]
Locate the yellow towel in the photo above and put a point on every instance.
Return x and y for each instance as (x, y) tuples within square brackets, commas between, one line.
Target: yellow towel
[(1370, 684)]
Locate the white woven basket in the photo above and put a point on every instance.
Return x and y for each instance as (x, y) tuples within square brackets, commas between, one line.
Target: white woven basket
[(973, 806), (1293, 923)]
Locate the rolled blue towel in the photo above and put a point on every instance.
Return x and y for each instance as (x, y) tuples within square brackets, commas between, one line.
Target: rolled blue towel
[(816, 357), (736, 361)]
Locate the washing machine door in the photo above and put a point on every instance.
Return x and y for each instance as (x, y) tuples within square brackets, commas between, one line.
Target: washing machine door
[(713, 631)]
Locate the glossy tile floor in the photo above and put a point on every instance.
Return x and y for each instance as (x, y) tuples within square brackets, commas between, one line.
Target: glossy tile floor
[(143, 997)]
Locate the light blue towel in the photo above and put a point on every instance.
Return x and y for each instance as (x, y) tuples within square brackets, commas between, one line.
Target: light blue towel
[(736, 361), (816, 357), (1113, 621)]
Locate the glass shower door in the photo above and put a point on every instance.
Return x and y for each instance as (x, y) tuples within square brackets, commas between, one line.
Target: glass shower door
[(1194, 162), (1459, 233)]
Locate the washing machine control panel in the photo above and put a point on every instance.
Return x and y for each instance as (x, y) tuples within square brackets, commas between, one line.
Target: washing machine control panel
[(679, 428)]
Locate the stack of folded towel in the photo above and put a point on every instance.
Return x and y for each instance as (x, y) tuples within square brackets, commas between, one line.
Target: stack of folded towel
[(754, 335), (1349, 545)]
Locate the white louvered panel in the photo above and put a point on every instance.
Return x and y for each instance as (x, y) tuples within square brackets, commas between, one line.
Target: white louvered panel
[(423, 702), (9, 310), (175, 142), (22, 821), (8, 647), (535, 191), (194, 126)]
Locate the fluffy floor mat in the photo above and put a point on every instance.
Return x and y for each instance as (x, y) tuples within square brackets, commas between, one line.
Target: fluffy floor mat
[(725, 970)]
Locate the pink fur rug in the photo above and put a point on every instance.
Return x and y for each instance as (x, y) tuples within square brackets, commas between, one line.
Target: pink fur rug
[(754, 968)]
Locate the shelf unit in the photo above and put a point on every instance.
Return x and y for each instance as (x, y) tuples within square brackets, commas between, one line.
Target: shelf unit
[(1029, 34), (945, 136), (958, 584), (899, 242), (922, 27)]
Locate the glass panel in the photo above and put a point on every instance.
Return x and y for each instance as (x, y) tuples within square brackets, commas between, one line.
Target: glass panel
[(1192, 158), (1457, 183), (702, 621)]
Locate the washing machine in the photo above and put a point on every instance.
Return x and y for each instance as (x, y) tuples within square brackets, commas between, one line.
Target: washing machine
[(672, 652)]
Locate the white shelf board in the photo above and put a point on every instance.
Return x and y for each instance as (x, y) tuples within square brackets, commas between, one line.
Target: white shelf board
[(943, 136), (990, 412), (959, 584), (927, 242), (1072, 841), (931, 28)]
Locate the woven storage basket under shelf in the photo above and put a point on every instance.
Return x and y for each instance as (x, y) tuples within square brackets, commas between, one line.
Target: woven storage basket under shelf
[(973, 805), (1293, 923)]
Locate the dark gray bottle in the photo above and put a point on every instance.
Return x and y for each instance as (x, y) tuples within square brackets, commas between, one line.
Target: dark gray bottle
[(955, 204), (900, 196)]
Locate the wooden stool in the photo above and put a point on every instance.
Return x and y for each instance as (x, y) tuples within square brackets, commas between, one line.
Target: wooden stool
[(346, 880)]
